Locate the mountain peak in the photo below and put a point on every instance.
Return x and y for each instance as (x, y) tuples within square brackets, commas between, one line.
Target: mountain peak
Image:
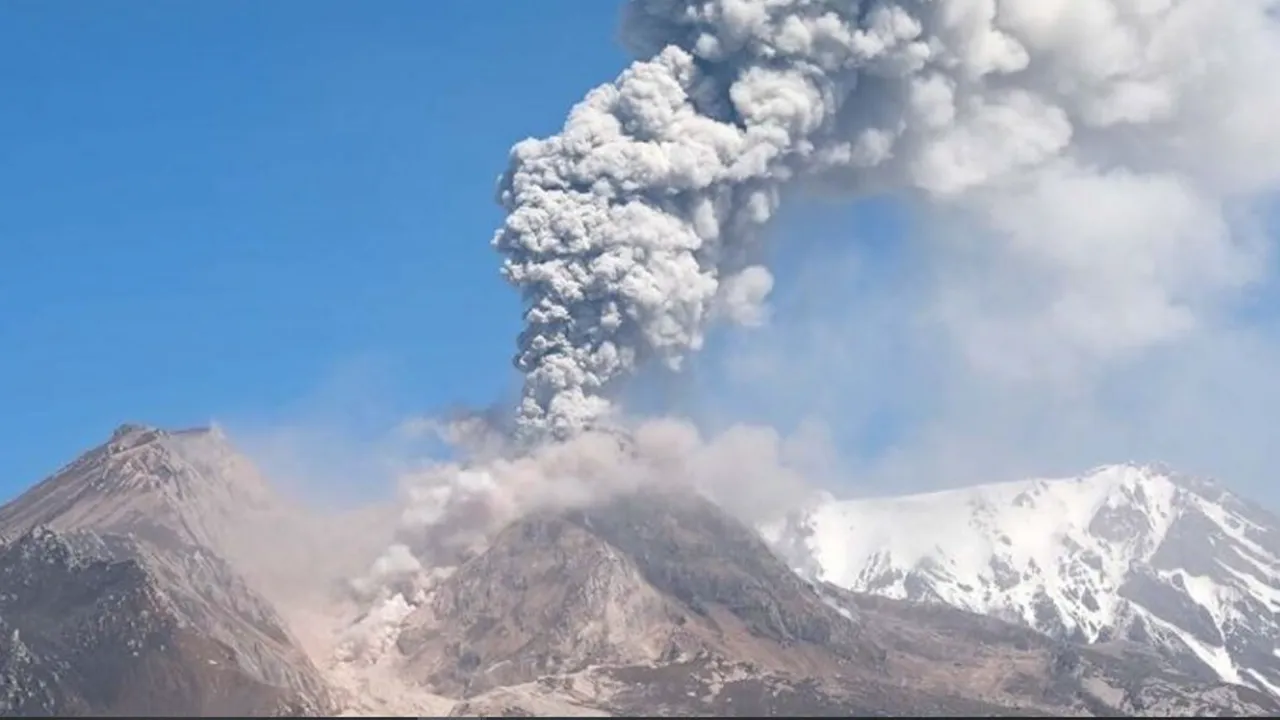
[(96, 623), (147, 554), (658, 600), (652, 576), (1123, 550), (128, 429), (144, 479)]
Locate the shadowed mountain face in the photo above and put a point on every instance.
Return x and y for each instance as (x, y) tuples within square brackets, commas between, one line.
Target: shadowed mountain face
[(949, 650), (689, 549), (114, 598), (87, 627), (657, 603), (645, 578)]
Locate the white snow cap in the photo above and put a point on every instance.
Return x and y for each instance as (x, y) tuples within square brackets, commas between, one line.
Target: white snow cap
[(1102, 142)]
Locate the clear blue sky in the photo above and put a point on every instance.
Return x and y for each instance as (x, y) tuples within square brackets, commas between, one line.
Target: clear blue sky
[(225, 209), (257, 211)]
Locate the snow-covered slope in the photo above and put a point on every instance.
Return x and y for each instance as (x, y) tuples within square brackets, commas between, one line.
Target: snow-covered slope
[(1124, 551)]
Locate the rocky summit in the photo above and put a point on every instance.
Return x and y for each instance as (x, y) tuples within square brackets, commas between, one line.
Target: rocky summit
[(139, 580)]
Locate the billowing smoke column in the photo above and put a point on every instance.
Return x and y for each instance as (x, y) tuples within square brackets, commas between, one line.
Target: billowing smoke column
[(638, 225), (1101, 154)]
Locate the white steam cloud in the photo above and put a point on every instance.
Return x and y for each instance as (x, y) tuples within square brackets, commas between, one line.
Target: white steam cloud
[(1104, 145)]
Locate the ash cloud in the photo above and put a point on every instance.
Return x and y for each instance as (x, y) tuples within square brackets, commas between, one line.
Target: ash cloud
[(451, 510), (1099, 144), (1087, 175)]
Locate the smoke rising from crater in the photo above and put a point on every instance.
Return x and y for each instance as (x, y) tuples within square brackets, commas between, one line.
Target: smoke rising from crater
[(452, 511), (1101, 144), (1088, 169)]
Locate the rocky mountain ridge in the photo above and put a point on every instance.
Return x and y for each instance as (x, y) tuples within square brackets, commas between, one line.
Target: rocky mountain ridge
[(661, 603), (126, 586), (1133, 552)]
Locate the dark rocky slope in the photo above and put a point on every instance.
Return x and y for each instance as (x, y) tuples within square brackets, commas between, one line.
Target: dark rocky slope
[(115, 599), (87, 627)]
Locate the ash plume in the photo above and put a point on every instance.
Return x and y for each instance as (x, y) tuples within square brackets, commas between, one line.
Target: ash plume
[(1094, 167), (452, 510), (641, 222)]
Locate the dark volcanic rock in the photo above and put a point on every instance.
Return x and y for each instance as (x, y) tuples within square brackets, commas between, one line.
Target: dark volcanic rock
[(115, 596), (84, 633), (545, 597), (688, 548), (725, 690), (947, 650), (124, 591)]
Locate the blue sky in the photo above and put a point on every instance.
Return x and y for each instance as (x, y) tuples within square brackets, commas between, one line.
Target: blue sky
[(277, 215), (244, 209)]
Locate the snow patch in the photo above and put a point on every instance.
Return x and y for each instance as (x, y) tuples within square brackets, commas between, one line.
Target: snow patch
[(1217, 658), (1270, 687)]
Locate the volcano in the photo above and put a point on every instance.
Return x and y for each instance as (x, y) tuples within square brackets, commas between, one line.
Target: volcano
[(130, 583)]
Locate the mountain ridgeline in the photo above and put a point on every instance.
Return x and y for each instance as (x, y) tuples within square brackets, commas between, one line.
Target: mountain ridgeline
[(134, 581), (1142, 554)]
